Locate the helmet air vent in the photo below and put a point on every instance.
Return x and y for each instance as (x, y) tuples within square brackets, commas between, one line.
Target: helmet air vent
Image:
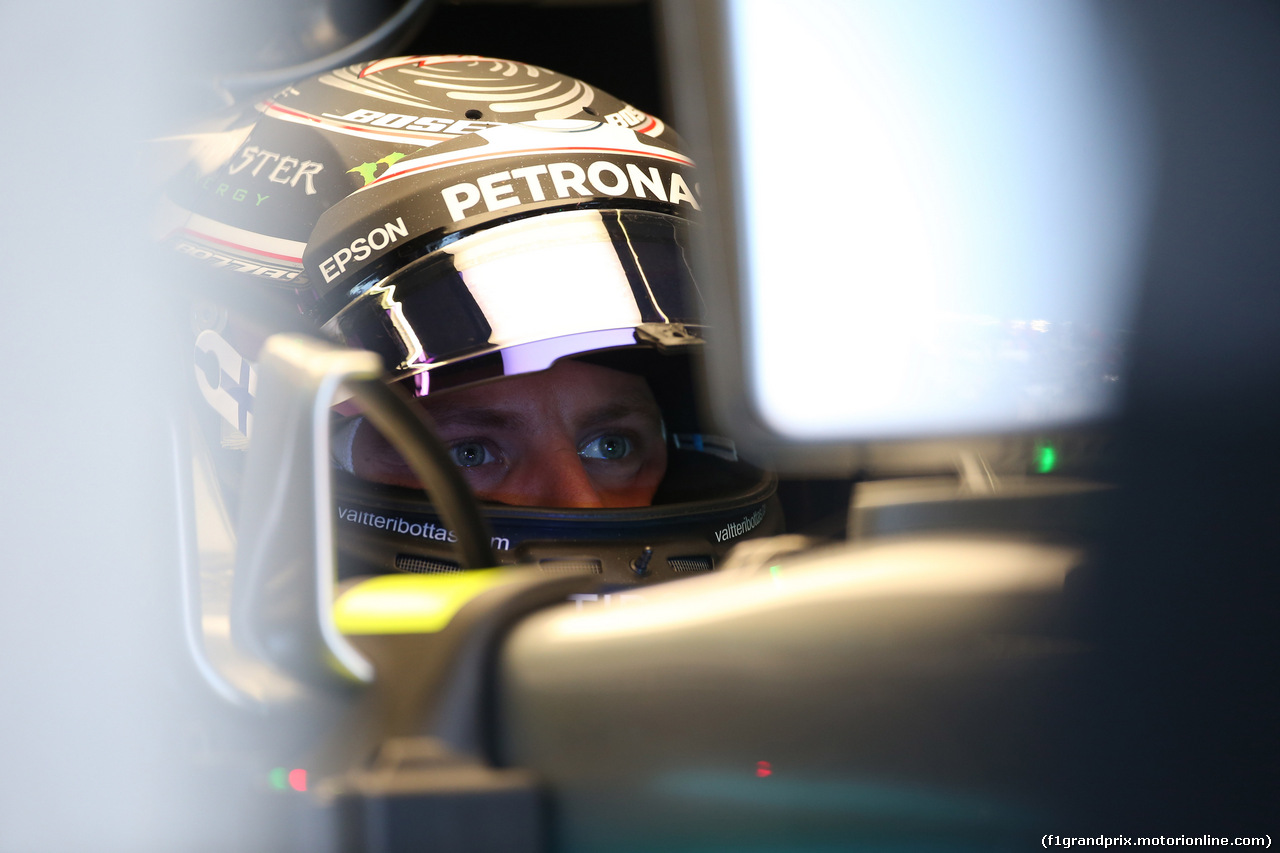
[(426, 565), (689, 564), (571, 566)]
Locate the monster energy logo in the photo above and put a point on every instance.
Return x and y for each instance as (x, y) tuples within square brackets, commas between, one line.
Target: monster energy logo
[(369, 171), (280, 168)]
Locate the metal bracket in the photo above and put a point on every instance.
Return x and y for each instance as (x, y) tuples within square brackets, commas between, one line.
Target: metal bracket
[(282, 604)]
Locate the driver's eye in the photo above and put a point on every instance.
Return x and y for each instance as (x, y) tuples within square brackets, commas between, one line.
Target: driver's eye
[(606, 447), (469, 454)]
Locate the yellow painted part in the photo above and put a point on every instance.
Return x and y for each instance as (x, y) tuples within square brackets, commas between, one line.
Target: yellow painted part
[(410, 604)]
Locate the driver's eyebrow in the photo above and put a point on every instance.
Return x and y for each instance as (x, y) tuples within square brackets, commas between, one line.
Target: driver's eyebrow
[(497, 417), (620, 409), (477, 417)]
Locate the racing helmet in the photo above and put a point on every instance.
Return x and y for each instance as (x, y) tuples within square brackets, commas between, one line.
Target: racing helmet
[(470, 219)]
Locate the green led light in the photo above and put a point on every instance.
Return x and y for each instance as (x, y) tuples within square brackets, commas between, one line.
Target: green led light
[(1046, 458), (776, 571), (279, 779)]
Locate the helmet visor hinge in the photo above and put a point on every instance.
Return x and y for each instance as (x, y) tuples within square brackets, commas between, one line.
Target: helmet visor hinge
[(664, 335)]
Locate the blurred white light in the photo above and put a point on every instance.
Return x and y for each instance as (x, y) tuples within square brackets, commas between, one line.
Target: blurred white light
[(911, 170)]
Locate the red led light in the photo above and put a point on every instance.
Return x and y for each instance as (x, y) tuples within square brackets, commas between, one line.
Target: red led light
[(763, 769), (298, 779)]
